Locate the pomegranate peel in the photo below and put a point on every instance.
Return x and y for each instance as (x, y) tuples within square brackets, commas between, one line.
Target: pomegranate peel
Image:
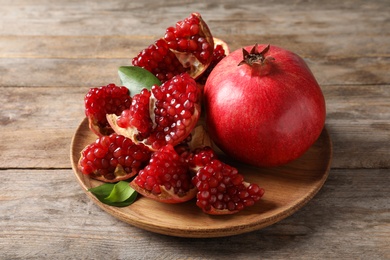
[(165, 196), (199, 138), (128, 132), (284, 111)]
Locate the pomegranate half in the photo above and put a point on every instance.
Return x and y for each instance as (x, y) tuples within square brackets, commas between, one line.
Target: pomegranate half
[(263, 105)]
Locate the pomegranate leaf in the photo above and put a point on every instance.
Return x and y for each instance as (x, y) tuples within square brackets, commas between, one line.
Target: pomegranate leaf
[(121, 192), (126, 202), (118, 195), (136, 78), (102, 191)]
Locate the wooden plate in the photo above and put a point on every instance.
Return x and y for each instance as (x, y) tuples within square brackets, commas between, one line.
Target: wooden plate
[(287, 189)]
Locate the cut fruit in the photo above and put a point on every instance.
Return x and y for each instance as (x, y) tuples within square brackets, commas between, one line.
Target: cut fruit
[(110, 99), (165, 115), (113, 158), (186, 47), (221, 50), (221, 189), (166, 178)]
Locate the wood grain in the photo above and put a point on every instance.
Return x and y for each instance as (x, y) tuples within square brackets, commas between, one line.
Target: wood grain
[(52, 52), (55, 219)]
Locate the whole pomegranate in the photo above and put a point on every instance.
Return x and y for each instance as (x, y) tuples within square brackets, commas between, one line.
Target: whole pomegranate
[(263, 105)]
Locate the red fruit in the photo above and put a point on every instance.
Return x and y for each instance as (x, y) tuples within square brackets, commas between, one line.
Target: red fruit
[(166, 178), (221, 50), (268, 111), (113, 158), (138, 115), (165, 115), (221, 189), (187, 47), (110, 99)]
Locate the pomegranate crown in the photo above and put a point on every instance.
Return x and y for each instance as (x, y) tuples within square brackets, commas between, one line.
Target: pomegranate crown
[(254, 57)]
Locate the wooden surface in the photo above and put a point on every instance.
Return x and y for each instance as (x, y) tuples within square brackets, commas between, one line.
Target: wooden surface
[(51, 53)]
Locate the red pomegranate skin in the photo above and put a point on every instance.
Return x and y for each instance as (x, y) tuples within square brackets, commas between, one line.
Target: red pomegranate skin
[(264, 115)]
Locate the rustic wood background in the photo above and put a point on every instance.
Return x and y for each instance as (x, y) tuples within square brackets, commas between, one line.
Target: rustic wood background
[(52, 52)]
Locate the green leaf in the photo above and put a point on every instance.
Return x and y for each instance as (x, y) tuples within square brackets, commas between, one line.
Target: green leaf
[(121, 192), (137, 78), (102, 191), (125, 203), (118, 195)]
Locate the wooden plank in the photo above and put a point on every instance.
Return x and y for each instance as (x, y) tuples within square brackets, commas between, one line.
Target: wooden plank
[(358, 122), (38, 132), (229, 17), (349, 215), (96, 72), (58, 73), (42, 127), (335, 53), (361, 45)]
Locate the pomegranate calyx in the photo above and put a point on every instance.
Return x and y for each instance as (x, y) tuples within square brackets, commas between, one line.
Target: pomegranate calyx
[(254, 57)]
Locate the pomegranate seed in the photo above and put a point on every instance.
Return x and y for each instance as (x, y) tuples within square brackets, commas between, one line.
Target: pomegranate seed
[(170, 35), (99, 153), (194, 29), (182, 44)]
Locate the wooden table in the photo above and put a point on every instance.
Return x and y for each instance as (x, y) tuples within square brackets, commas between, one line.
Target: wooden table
[(52, 53)]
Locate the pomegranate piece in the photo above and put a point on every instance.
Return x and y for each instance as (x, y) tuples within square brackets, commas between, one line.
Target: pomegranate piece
[(186, 47), (110, 99), (159, 60), (165, 115), (138, 115), (113, 158), (221, 189), (166, 178), (220, 52)]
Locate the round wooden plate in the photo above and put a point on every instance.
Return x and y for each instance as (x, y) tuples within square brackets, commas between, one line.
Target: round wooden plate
[(287, 189)]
